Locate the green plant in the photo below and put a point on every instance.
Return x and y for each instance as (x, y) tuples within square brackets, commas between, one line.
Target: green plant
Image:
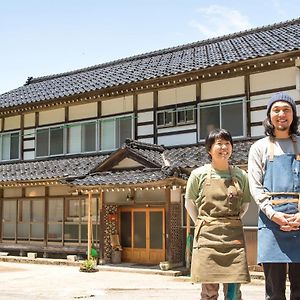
[(88, 265)]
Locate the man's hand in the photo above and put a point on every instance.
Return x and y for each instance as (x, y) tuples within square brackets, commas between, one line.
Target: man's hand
[(294, 221), (287, 222)]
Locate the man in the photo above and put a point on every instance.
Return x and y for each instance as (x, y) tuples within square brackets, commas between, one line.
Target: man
[(274, 178)]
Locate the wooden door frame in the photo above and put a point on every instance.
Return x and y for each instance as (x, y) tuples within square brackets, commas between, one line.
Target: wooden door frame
[(129, 253)]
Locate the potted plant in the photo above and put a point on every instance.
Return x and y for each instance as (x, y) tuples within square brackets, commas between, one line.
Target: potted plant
[(165, 265)]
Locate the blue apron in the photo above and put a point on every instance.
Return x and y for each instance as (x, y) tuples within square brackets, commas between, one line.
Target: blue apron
[(281, 175)]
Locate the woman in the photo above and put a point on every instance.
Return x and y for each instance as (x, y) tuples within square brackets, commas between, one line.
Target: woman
[(217, 196)]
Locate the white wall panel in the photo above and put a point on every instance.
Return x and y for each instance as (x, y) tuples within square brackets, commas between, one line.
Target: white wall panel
[(257, 131), (145, 117), (222, 88), (146, 140), (273, 79), (145, 101), (145, 130), (177, 139)]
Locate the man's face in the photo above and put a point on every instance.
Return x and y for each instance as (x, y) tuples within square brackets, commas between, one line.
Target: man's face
[(281, 115)]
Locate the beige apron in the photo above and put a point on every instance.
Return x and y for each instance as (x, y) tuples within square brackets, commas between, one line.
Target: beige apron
[(219, 254)]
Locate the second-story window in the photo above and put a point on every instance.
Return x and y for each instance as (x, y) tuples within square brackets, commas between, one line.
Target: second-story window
[(165, 118), (49, 141), (10, 146), (82, 137), (176, 117), (185, 116), (114, 131), (224, 114)]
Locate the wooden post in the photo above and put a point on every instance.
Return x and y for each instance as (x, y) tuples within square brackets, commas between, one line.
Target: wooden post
[(89, 225)]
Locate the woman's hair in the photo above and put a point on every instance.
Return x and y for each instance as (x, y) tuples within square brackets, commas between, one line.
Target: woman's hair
[(217, 134), (269, 127)]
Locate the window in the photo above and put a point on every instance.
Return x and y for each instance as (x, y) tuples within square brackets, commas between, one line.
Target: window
[(49, 141), (82, 137), (185, 116), (165, 118), (10, 146), (227, 114), (180, 116), (114, 132)]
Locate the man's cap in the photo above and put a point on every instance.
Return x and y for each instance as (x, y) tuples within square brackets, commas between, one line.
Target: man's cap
[(282, 96)]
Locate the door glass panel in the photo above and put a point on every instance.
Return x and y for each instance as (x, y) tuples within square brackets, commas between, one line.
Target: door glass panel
[(156, 233), (8, 219), (139, 219), (126, 229), (24, 216)]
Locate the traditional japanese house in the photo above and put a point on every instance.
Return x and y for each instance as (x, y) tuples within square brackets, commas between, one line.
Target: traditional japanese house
[(115, 143)]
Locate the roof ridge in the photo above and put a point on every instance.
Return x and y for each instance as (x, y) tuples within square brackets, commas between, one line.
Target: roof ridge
[(31, 79), (129, 143)]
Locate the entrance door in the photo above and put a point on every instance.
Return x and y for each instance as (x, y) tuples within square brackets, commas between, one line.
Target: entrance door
[(143, 235)]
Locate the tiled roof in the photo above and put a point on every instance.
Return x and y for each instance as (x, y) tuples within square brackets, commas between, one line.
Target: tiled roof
[(48, 169), (241, 46), (122, 177), (177, 159), (78, 170), (195, 156)]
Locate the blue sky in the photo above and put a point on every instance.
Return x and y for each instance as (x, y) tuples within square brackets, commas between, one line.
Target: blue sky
[(40, 38)]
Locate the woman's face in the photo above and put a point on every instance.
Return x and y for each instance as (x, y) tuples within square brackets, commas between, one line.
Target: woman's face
[(220, 150)]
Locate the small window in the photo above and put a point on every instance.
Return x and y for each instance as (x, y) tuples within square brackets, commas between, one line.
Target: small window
[(185, 116), (165, 118)]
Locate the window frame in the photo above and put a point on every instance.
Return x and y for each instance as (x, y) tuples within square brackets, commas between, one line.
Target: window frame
[(48, 129), (221, 103), (115, 135), (185, 110), (82, 137), (10, 133)]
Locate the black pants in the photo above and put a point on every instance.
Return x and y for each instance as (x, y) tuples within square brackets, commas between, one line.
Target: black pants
[(275, 280)]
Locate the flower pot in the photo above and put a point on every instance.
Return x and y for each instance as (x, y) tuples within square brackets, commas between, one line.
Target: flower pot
[(165, 265)]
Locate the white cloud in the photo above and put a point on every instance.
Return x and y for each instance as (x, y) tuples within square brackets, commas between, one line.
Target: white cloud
[(216, 20)]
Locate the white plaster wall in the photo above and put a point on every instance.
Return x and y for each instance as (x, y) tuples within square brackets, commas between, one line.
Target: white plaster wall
[(145, 130), (222, 88), (177, 95), (145, 117), (176, 128), (177, 139), (145, 101), (12, 192), (257, 131), (28, 155), (29, 120), (11, 123), (83, 111), (52, 116), (273, 79), (146, 140), (28, 144), (117, 105)]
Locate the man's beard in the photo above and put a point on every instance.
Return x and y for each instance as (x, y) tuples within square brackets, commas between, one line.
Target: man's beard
[(282, 128)]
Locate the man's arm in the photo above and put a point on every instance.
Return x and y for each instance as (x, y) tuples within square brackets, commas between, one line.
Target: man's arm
[(255, 175)]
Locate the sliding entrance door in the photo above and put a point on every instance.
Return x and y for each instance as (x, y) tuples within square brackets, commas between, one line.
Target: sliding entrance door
[(143, 235)]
